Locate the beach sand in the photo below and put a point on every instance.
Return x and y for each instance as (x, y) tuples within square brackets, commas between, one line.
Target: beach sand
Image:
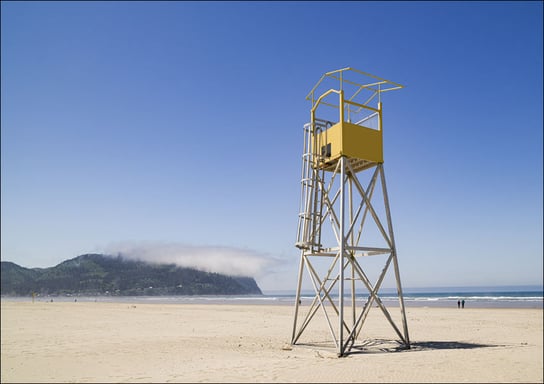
[(118, 342)]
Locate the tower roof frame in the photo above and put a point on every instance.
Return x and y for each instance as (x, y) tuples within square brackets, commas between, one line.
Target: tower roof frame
[(358, 86)]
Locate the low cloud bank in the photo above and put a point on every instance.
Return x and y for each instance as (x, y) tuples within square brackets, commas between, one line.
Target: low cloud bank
[(219, 259)]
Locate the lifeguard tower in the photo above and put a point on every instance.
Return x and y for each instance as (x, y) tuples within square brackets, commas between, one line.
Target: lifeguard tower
[(342, 222)]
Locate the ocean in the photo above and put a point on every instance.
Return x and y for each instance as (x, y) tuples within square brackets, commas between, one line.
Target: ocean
[(474, 297)]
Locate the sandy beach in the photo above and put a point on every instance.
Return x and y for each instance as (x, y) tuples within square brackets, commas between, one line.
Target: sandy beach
[(127, 342)]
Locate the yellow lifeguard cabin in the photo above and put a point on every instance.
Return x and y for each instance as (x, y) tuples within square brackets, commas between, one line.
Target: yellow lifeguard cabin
[(342, 143), (353, 141), (357, 130)]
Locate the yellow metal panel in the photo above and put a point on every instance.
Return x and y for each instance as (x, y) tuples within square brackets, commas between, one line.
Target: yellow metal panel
[(362, 143), (350, 140), (332, 136)]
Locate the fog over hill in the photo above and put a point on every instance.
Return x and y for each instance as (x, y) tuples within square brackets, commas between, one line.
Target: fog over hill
[(98, 274)]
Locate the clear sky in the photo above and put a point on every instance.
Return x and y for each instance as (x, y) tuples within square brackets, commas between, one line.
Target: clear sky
[(174, 130)]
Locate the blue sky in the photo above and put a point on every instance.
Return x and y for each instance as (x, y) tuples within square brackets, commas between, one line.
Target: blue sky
[(164, 127)]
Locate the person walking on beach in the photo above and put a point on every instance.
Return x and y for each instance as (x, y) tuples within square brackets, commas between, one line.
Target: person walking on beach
[(463, 303), (458, 303)]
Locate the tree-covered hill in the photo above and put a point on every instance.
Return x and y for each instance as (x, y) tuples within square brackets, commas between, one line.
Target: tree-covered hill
[(95, 274)]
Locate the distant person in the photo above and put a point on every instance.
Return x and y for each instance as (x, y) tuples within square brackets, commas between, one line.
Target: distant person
[(458, 303), (463, 303)]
